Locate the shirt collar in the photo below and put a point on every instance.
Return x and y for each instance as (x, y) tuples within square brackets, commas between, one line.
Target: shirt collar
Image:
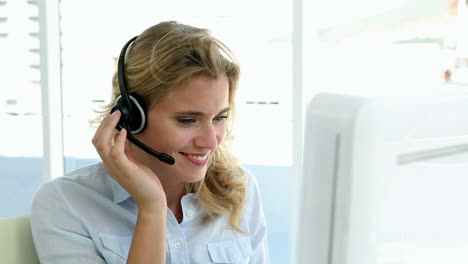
[(120, 194)]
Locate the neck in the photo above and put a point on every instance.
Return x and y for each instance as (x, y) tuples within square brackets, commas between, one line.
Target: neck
[(174, 194)]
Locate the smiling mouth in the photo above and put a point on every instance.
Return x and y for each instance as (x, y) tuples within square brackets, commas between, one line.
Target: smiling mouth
[(198, 159)]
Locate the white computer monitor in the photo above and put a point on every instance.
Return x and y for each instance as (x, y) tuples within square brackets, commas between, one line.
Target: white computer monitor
[(385, 180)]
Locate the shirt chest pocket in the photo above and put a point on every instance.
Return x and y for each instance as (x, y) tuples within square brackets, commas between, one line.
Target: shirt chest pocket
[(230, 251), (115, 248)]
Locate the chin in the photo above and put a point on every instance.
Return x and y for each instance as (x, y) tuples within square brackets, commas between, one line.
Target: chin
[(188, 172), (199, 176), (196, 176)]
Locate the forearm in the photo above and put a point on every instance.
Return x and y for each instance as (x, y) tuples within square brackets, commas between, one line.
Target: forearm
[(149, 239)]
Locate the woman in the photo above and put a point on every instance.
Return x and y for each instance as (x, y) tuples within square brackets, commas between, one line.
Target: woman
[(137, 208)]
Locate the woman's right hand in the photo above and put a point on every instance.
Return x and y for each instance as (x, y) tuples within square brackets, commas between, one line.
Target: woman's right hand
[(135, 177)]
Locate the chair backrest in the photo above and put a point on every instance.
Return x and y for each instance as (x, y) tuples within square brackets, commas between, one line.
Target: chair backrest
[(16, 243)]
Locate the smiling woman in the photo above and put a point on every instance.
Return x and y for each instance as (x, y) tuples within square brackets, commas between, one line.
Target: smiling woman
[(202, 208)]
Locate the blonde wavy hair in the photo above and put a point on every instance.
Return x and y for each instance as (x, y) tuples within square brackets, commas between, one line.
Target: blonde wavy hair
[(159, 59)]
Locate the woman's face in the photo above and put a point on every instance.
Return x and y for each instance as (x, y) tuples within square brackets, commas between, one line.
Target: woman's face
[(188, 124)]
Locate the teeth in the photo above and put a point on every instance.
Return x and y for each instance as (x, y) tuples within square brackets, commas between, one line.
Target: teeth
[(197, 157)]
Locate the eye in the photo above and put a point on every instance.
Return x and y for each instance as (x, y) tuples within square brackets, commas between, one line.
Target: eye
[(220, 118), (186, 121)]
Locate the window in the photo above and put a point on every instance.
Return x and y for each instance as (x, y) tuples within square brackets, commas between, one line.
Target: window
[(375, 47), (20, 107)]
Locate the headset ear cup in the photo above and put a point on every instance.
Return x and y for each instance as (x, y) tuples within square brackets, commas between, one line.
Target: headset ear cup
[(124, 110), (138, 117)]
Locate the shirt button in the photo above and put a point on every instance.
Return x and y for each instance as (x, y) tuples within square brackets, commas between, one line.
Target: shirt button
[(178, 245), (189, 213)]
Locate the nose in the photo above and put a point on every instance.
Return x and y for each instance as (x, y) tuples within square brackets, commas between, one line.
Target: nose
[(207, 137)]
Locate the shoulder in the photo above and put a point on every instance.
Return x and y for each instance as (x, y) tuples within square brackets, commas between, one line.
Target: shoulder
[(71, 214), (92, 177), (255, 219), (253, 205), (79, 183), (252, 184)]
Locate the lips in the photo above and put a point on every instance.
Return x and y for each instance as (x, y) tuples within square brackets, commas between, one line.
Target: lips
[(198, 159)]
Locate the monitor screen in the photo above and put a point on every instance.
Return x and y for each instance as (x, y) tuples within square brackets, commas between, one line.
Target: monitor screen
[(385, 180)]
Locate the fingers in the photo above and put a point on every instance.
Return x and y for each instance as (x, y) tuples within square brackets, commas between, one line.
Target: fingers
[(99, 129), (110, 146), (118, 151), (129, 154), (102, 139)]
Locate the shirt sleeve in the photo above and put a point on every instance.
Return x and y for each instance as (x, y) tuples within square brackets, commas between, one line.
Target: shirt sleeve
[(257, 222), (58, 235)]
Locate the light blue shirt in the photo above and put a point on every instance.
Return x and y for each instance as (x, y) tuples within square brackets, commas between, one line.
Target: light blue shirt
[(87, 217)]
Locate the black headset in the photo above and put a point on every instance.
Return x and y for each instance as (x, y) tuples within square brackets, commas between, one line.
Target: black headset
[(133, 109)]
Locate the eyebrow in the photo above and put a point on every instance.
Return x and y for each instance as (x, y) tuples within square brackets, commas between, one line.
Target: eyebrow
[(197, 113)]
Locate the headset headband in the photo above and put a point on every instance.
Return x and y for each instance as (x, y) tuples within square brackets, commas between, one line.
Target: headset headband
[(121, 74)]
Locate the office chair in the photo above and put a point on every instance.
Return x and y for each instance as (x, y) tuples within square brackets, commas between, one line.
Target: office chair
[(16, 242)]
